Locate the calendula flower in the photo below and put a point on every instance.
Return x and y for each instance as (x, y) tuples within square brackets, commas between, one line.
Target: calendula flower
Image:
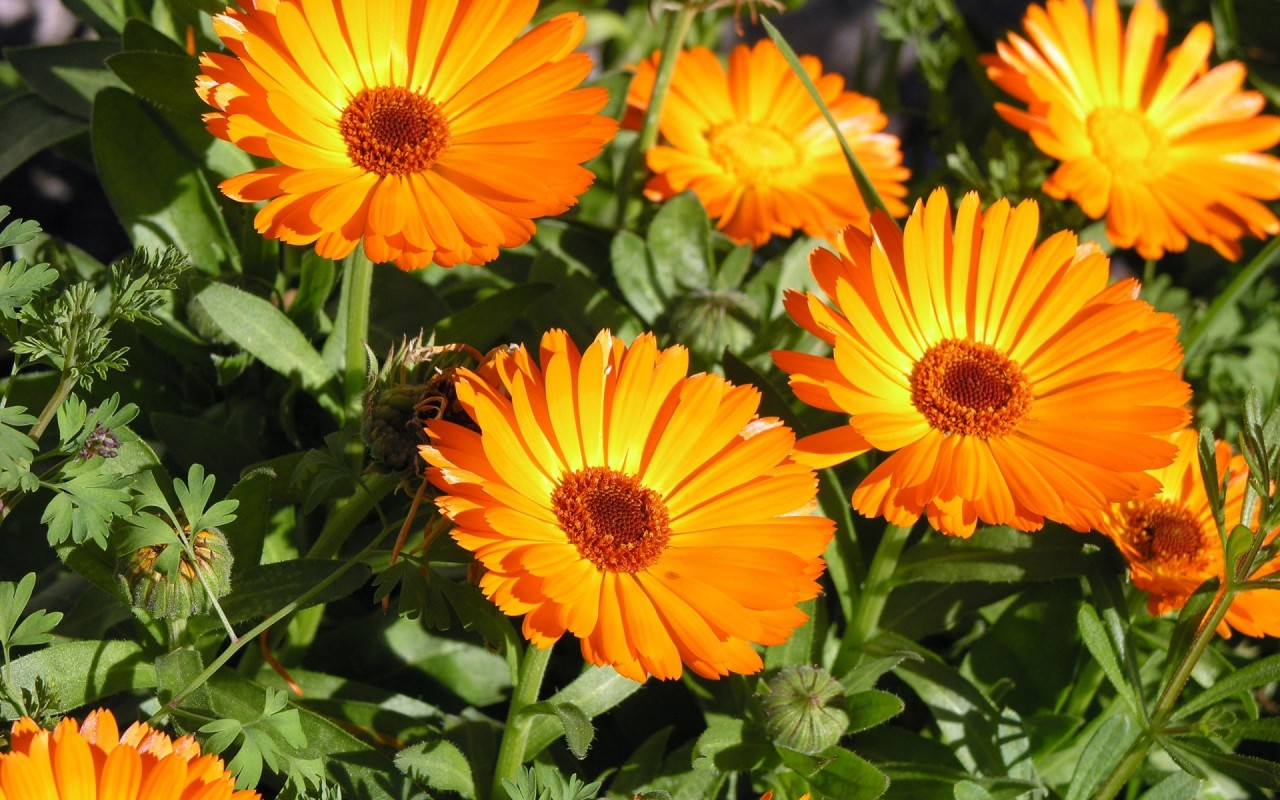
[(95, 760), (755, 149), (649, 513), (430, 130), (1012, 383), (1172, 542), (1162, 148)]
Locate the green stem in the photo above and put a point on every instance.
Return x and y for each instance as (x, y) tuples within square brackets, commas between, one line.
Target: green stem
[(1169, 695), (1263, 261), (65, 384), (866, 617), (358, 286), (251, 635), (515, 735), (870, 195), (672, 43), (344, 519)]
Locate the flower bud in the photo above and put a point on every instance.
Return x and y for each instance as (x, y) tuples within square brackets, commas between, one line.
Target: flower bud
[(179, 593), (804, 709)]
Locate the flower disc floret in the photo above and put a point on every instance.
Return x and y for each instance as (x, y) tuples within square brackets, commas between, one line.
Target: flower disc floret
[(612, 496), (1008, 381)]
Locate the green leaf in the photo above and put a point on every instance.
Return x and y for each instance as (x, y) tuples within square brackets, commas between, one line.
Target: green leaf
[(846, 775), (88, 499), (1252, 771), (266, 332), (867, 674), (594, 692), (871, 708), (629, 257), (438, 765), (16, 450), (67, 76), (1101, 754), (173, 205), (1266, 729), (18, 231), (264, 589), (246, 534), (998, 555), (165, 79), (21, 282), (29, 125), (175, 671), (78, 673), (1178, 786), (679, 245), (1258, 673), (968, 790), (728, 745), (1100, 647), (578, 731)]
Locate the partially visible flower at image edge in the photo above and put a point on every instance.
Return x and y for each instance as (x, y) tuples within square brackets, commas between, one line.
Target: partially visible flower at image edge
[(1009, 381), (1160, 147), (649, 513), (95, 760), (755, 149), (1172, 545), (427, 129)]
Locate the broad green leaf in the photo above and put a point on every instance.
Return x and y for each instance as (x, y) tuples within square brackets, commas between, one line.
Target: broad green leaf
[(88, 499), (998, 554), (247, 533), (629, 257), (138, 35), (679, 245), (574, 287), (801, 647), (29, 125), (846, 775), (871, 708), (74, 674), (1101, 754), (867, 674), (642, 765), (67, 76), (594, 692), (165, 79), (1259, 673), (176, 671), (265, 331), (730, 745), (1178, 786), (481, 323), (105, 16), (438, 765), (158, 193), (263, 589)]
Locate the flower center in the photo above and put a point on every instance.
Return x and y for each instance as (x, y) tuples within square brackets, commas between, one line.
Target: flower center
[(393, 131), (1128, 144), (1166, 534), (616, 524), (756, 154), (970, 388)]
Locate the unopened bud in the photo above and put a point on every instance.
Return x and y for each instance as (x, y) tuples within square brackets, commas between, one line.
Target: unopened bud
[(804, 709), (180, 594)]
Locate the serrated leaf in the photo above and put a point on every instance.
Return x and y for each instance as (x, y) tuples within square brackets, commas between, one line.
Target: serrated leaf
[(21, 282), (1257, 772), (13, 601), (1251, 676), (16, 448), (438, 765), (221, 734), (87, 501), (34, 630), (266, 332), (18, 231), (1100, 647)]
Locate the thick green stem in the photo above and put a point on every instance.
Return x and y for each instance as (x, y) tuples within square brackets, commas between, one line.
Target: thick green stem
[(358, 286), (672, 43), (515, 735), (866, 617), (65, 384), (1265, 259)]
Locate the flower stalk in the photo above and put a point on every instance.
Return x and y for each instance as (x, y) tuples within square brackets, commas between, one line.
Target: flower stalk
[(515, 735)]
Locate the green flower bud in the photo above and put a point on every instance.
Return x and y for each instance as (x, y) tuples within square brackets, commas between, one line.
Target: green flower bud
[(177, 593), (804, 709)]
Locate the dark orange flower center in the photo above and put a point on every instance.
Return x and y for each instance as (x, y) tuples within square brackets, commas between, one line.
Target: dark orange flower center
[(1165, 534), (390, 130), (1128, 144), (970, 388), (755, 154), (615, 522)]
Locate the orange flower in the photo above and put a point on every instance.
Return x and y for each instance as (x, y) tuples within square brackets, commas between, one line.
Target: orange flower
[(1172, 544), (95, 760), (755, 149), (1012, 382), (419, 126), (1160, 147), (652, 515)]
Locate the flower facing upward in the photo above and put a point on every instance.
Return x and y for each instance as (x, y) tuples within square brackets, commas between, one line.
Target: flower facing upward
[(755, 149), (1172, 544), (1162, 148), (650, 514), (1012, 382), (95, 760), (424, 127)]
